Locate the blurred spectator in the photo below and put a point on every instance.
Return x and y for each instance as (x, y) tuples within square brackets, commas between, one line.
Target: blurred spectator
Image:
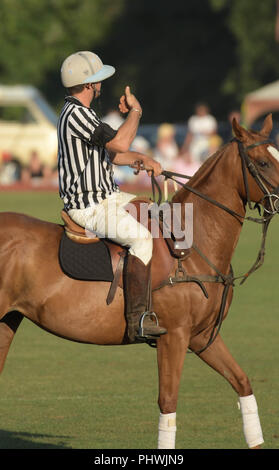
[(214, 143), (113, 118), (166, 149), (201, 127), (36, 173), (10, 170), (140, 144), (186, 166)]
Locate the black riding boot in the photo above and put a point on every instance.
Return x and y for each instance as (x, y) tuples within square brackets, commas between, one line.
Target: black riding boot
[(136, 288)]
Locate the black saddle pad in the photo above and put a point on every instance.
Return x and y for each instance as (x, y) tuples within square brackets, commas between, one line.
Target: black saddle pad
[(91, 262)]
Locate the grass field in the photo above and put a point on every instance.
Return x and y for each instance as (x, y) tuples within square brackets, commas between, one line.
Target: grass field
[(55, 394)]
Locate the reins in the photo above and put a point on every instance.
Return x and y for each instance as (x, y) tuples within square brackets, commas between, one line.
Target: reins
[(226, 280), (265, 220)]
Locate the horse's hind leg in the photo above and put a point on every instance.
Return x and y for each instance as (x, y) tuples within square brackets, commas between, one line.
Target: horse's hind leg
[(220, 359), (8, 326)]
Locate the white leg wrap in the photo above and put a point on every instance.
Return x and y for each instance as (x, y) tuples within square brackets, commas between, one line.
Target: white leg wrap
[(167, 431), (251, 422)]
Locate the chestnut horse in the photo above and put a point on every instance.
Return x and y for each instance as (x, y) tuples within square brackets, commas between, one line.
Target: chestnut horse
[(32, 284)]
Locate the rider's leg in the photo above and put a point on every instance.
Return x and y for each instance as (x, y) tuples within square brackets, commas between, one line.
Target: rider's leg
[(111, 220), (136, 288)]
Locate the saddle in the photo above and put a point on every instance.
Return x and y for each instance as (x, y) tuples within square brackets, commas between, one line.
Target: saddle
[(77, 233), (84, 256)]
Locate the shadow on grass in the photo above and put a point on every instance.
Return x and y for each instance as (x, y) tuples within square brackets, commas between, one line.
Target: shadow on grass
[(24, 440)]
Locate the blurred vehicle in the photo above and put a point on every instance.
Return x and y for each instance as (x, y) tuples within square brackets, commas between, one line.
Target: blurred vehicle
[(27, 124)]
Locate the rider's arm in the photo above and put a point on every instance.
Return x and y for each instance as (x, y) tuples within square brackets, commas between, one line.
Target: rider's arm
[(130, 158), (128, 130), (125, 134), (85, 125)]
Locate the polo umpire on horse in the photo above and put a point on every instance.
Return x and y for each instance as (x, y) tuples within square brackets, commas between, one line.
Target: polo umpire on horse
[(87, 150)]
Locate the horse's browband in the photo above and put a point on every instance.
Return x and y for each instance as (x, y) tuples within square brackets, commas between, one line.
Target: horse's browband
[(256, 144)]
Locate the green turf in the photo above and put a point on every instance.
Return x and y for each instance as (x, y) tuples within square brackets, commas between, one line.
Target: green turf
[(61, 395)]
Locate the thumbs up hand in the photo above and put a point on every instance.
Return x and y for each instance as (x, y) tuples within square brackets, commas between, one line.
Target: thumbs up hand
[(129, 101)]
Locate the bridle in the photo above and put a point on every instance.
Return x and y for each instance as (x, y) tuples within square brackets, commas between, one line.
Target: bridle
[(247, 165), (272, 195), (262, 182)]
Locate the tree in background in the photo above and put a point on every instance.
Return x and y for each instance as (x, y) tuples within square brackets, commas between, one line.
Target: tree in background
[(253, 25), (36, 36), (173, 54)]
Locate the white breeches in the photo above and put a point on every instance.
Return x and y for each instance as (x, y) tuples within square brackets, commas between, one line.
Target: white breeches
[(109, 219)]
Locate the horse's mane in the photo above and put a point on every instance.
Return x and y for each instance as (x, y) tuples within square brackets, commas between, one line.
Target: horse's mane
[(208, 165)]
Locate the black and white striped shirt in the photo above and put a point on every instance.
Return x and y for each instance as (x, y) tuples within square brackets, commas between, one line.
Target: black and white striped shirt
[(84, 167)]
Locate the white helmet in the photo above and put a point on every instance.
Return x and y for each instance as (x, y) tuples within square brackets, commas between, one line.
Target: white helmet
[(84, 67)]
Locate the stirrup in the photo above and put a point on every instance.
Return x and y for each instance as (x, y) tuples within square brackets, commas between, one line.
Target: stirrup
[(141, 335)]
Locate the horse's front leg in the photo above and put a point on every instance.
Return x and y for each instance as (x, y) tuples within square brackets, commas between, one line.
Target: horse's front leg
[(220, 359), (171, 350), (8, 327)]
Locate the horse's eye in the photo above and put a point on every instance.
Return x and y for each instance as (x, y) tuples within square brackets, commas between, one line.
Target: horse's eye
[(262, 163)]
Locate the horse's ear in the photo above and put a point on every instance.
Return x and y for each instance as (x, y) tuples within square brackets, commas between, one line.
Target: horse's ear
[(267, 126), (239, 131)]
